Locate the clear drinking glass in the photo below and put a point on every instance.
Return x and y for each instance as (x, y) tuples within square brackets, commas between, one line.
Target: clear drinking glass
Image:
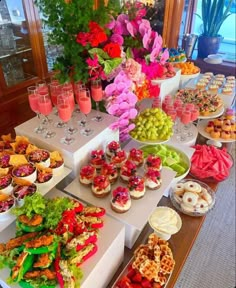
[(33, 102), (65, 114), (97, 94), (85, 107), (42, 89), (45, 108)]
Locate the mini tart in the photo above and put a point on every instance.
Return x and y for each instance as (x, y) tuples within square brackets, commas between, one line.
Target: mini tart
[(228, 85), (210, 127), (213, 88), (120, 201), (127, 170), (227, 90), (101, 186), (215, 134), (201, 85), (119, 159), (110, 170), (86, 175), (225, 135), (136, 186), (153, 179), (233, 135), (153, 162), (226, 127), (218, 121), (97, 158), (136, 156), (230, 82), (112, 148), (217, 82)]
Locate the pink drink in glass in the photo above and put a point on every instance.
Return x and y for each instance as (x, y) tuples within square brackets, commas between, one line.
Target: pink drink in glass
[(85, 104), (96, 92), (179, 111), (194, 114), (173, 114), (45, 105), (189, 106), (33, 101), (64, 111), (186, 117)]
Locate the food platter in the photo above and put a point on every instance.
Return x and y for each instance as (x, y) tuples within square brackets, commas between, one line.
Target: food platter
[(201, 129), (215, 114)]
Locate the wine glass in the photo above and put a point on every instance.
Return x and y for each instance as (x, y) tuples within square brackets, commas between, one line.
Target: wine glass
[(45, 108), (97, 93), (42, 89), (33, 102), (77, 86), (67, 91), (85, 107), (65, 114)]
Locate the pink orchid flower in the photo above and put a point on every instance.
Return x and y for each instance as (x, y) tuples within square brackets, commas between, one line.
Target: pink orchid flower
[(164, 56), (144, 26), (117, 38)]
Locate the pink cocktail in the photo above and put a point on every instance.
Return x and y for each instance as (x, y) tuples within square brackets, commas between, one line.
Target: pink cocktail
[(64, 111), (45, 105), (85, 104), (186, 117), (194, 114), (33, 101), (96, 92)]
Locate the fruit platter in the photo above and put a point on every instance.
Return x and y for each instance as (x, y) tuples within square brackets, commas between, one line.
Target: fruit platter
[(33, 257), (152, 126), (148, 268)]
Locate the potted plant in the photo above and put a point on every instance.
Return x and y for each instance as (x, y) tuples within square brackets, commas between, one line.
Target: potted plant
[(214, 13)]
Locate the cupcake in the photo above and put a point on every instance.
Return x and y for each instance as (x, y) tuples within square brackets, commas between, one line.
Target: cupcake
[(101, 186), (119, 158), (219, 76), (109, 170), (153, 162), (127, 170), (209, 74), (136, 186), (218, 121), (217, 82), (112, 148), (213, 89), (86, 175), (201, 85), (152, 179), (227, 90), (97, 158), (136, 156), (120, 201)]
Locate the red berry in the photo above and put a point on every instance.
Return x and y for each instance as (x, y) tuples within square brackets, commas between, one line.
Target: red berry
[(137, 277)]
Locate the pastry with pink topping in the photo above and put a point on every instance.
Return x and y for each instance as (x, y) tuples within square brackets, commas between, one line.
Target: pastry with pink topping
[(97, 158), (101, 186), (153, 162), (112, 148), (136, 156), (127, 170), (110, 170), (153, 179), (136, 186), (120, 201), (86, 175), (119, 158)]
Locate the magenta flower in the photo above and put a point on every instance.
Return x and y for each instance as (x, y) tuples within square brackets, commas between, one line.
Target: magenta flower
[(164, 56), (144, 26), (117, 38)]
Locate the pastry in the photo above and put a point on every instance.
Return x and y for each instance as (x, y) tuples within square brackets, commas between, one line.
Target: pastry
[(230, 78), (86, 175), (119, 158), (120, 201), (217, 82), (218, 121), (179, 188), (190, 198), (192, 186), (230, 82), (233, 135), (206, 196), (152, 179), (112, 148), (109, 170), (136, 186), (226, 126), (210, 127), (201, 85), (153, 162), (219, 76), (227, 90), (213, 88), (101, 186), (202, 206), (97, 158), (187, 208), (204, 80), (136, 156), (229, 85), (225, 135), (127, 170), (215, 134), (229, 114), (209, 74)]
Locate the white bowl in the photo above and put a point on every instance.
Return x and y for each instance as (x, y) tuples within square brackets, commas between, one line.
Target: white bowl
[(31, 178), (165, 222), (7, 213), (214, 59), (8, 189), (38, 153), (58, 170)]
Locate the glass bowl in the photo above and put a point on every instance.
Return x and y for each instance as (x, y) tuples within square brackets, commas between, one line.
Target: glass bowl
[(192, 197)]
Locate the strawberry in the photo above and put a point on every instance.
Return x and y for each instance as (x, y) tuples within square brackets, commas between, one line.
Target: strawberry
[(131, 272), (135, 285), (137, 277), (146, 283), (124, 282)]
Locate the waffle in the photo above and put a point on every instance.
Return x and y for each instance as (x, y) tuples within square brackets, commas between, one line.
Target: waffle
[(138, 261), (157, 254), (149, 269), (161, 279), (142, 250), (165, 250), (153, 240), (167, 264)]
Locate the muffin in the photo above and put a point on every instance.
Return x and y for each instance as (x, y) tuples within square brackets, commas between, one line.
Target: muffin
[(225, 135), (227, 90)]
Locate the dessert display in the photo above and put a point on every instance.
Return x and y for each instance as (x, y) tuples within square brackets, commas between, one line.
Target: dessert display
[(136, 156), (52, 223), (101, 186), (221, 128), (165, 222), (192, 197), (87, 174), (170, 157), (120, 201), (151, 265), (154, 162), (97, 158), (152, 179), (110, 170), (152, 124), (119, 158), (210, 163), (127, 170), (204, 100), (39, 156), (136, 186), (112, 148)]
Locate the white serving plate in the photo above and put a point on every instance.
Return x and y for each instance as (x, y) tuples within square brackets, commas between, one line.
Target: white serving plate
[(215, 114)]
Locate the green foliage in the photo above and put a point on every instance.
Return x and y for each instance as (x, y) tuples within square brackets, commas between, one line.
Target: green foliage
[(213, 16), (65, 21)]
